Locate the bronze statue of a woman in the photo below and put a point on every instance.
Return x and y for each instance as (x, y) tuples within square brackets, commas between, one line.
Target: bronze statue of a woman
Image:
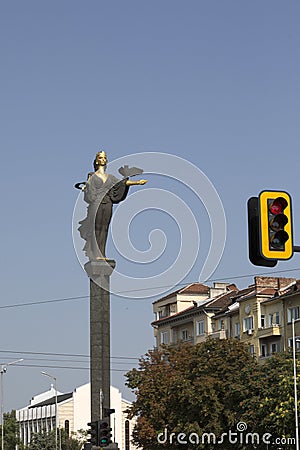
[(101, 191)]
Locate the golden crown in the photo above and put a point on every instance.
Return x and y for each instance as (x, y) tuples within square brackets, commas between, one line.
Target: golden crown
[(99, 154)]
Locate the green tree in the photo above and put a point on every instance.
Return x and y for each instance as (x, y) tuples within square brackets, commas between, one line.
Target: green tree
[(11, 431), (192, 389), (46, 441), (273, 411)]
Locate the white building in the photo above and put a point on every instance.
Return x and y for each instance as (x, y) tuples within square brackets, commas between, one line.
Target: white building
[(73, 411)]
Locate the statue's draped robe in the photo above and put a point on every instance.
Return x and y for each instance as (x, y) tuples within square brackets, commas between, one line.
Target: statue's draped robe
[(100, 198)]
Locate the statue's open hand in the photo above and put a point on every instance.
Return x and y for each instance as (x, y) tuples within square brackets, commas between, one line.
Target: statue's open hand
[(142, 182)]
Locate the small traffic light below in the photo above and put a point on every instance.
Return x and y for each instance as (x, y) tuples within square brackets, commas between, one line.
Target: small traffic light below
[(275, 220), (94, 432), (104, 433)]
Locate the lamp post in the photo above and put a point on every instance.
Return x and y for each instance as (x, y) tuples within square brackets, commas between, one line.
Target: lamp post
[(295, 387), (55, 387), (2, 372)]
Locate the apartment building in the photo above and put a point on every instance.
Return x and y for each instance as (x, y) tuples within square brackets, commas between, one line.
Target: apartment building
[(259, 315), (187, 314)]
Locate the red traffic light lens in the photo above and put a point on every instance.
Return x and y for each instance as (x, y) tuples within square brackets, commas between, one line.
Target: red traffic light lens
[(278, 205)]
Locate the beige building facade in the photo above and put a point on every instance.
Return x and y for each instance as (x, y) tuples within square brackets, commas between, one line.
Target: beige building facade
[(259, 315), (187, 314)]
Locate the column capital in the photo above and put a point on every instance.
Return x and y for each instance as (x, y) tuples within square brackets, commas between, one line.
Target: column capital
[(99, 268)]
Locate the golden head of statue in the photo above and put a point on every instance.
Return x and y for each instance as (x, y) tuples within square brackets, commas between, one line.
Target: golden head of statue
[(100, 160)]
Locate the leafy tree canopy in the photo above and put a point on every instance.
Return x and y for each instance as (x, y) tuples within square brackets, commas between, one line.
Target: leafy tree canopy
[(46, 441), (212, 387), (11, 428)]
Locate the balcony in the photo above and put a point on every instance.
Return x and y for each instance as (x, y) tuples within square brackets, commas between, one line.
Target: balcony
[(220, 334), (189, 340), (200, 338), (273, 330)]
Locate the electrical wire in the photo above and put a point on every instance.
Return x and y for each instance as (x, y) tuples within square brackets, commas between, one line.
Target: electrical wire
[(65, 360), (65, 367), (58, 300), (19, 305), (62, 354)]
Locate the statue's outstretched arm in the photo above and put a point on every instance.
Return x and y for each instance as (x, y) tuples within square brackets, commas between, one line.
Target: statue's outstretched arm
[(133, 183)]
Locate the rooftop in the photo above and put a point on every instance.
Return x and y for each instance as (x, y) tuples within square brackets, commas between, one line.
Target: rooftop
[(190, 289)]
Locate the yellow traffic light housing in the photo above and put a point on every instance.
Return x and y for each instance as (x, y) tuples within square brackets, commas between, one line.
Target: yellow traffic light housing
[(275, 225)]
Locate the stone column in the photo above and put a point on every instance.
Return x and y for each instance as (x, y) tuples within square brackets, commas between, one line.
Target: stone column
[(99, 273)]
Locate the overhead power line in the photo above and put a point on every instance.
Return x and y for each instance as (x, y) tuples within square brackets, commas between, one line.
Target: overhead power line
[(40, 302), (63, 354), (65, 367), (65, 360), (67, 299)]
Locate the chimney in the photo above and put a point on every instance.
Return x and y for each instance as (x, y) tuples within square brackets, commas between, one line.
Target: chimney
[(272, 282)]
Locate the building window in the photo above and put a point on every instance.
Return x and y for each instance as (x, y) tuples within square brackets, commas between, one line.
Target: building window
[(200, 328), (237, 329), (274, 348), (262, 321), (174, 335), (220, 324), (184, 335), (293, 313), (248, 323), (164, 337), (251, 349), (263, 350), (127, 435), (67, 427), (290, 342), (274, 319)]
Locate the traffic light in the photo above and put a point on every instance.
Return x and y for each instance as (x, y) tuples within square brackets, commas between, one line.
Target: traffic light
[(104, 433), (270, 228), (94, 432), (275, 208)]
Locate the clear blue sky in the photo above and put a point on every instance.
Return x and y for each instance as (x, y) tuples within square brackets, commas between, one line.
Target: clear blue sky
[(214, 82)]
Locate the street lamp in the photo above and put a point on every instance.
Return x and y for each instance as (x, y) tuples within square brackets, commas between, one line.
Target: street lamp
[(295, 386), (2, 371), (55, 387)]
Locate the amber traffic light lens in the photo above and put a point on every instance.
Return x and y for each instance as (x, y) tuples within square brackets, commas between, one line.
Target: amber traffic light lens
[(279, 222)]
